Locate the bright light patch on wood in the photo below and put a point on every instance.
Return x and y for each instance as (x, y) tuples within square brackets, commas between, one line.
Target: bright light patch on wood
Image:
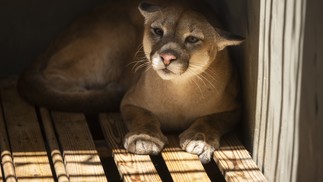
[(7, 165), (57, 157), (59, 166), (182, 165), (6, 158), (80, 156), (235, 162), (130, 166), (25, 165), (29, 155)]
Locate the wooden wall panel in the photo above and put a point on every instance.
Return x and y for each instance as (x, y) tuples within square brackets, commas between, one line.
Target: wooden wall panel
[(279, 70), (288, 120), (310, 159)]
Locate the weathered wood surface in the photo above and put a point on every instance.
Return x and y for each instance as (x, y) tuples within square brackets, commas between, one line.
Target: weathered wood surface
[(53, 145), (182, 165), (235, 161), (80, 155), (310, 158), (27, 146), (6, 157), (276, 143), (71, 154), (131, 167), (282, 82)]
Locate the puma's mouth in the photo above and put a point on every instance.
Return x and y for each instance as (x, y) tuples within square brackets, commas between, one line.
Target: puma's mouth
[(166, 74), (167, 67), (167, 71)]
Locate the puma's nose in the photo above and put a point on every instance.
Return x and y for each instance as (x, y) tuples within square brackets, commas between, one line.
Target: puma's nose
[(167, 58)]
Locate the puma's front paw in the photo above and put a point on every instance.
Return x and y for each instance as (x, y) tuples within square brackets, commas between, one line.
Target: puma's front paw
[(142, 143), (199, 143)]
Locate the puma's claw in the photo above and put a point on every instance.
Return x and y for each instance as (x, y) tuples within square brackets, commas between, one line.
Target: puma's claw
[(196, 143), (144, 143)]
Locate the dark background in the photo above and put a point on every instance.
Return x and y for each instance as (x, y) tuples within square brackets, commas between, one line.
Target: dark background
[(27, 27)]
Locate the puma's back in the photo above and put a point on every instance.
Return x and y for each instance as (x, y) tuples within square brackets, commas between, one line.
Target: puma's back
[(86, 67)]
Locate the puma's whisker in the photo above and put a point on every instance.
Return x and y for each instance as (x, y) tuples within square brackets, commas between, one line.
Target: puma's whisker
[(141, 65)]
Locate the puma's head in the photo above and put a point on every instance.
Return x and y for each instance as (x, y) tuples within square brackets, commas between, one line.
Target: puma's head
[(179, 42)]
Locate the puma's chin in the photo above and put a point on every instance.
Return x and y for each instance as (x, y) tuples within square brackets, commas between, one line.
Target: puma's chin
[(167, 74)]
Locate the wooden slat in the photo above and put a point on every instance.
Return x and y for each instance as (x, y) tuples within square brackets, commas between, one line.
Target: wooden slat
[(81, 158), (235, 161), (182, 165), (131, 167), (278, 107), (28, 149), (6, 158), (55, 152)]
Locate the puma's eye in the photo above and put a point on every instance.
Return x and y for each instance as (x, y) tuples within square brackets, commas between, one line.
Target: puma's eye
[(192, 39), (158, 31)]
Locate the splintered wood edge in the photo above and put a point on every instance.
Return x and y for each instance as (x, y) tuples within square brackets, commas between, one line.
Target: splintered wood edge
[(80, 155), (235, 162), (130, 166), (182, 165), (25, 128), (55, 152)]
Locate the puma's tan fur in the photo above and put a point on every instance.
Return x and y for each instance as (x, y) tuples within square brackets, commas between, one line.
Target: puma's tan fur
[(182, 78)]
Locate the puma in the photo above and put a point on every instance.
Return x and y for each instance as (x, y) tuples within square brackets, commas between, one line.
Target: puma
[(165, 66)]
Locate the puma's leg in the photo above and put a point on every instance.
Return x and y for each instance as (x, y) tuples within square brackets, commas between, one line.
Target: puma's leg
[(144, 136), (203, 136)]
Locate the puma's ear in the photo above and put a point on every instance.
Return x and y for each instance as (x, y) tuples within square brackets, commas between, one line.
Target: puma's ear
[(227, 39), (147, 9)]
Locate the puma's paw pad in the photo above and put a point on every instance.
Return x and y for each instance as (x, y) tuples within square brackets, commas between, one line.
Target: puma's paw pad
[(144, 144), (196, 144)]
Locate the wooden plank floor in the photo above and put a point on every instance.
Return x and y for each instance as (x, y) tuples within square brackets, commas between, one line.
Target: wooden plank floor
[(41, 145)]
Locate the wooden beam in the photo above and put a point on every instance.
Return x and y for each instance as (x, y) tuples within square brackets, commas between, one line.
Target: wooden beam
[(7, 166), (131, 167), (182, 165), (28, 151), (281, 38), (56, 155), (80, 155), (235, 162)]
